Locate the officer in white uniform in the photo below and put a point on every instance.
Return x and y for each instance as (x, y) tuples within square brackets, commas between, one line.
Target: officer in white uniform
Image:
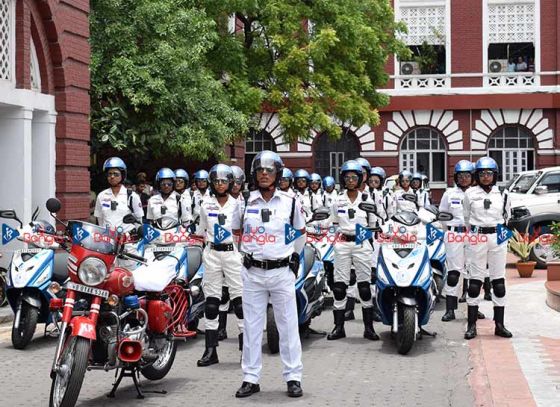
[(219, 220), (301, 183), (348, 252), (329, 185), (286, 182), (484, 209), (416, 185), (269, 274), (456, 238), (405, 177), (114, 203), (237, 192), (167, 208), (366, 168), (201, 192)]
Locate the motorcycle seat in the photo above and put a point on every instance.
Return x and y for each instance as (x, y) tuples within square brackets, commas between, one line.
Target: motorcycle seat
[(194, 259), (60, 269), (308, 259)]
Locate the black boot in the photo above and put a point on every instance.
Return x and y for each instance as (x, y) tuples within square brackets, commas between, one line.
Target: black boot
[(222, 321), (240, 340), (481, 315), (465, 290), (499, 321), (472, 312), (450, 307), (338, 331), (487, 289), (349, 311), (210, 355), (376, 313), (369, 332)]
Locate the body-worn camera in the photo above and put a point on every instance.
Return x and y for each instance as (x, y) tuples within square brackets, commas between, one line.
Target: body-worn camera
[(114, 205), (265, 215), (487, 203), (221, 219), (351, 213), (163, 209)]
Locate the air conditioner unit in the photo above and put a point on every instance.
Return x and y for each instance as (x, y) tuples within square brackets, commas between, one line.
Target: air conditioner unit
[(497, 65), (410, 68)]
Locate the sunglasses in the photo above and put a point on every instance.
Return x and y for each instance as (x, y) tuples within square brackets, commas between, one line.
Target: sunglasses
[(238, 182), (464, 175), (166, 184), (220, 182), (284, 179), (351, 178), (486, 173), (113, 174), (263, 170)]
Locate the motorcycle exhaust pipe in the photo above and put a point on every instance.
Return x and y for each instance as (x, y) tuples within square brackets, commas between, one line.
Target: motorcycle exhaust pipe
[(130, 351)]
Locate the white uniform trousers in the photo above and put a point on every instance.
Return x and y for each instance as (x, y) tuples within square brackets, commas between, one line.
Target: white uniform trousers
[(347, 254), (258, 286), (489, 253), (455, 257), (221, 268)]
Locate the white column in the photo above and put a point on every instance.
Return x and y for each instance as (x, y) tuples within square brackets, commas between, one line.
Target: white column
[(43, 159)]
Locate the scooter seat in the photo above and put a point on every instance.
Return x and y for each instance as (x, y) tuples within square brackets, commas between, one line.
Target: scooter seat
[(308, 259), (60, 269), (194, 259)]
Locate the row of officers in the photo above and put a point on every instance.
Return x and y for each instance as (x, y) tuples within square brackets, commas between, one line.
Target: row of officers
[(250, 273)]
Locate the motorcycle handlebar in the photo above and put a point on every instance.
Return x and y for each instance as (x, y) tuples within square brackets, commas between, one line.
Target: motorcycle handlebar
[(134, 257)]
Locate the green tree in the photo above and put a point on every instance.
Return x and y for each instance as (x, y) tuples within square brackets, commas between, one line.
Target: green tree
[(307, 72), (151, 88)]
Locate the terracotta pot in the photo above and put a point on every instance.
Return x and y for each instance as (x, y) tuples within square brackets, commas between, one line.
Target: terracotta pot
[(525, 269), (553, 271)]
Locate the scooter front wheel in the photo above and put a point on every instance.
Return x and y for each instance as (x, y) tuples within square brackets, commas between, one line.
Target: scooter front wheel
[(68, 380), (22, 335), (407, 328), (272, 337)]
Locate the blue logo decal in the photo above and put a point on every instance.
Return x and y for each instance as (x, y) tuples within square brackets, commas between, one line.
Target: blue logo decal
[(78, 233), (433, 234), (149, 233), (220, 234), (504, 234), (8, 234), (362, 234), (291, 234)]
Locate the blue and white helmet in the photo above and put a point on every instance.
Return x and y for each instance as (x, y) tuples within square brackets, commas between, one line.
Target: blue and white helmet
[(328, 182), (289, 175), (351, 166), (164, 173), (115, 162), (405, 174), (486, 163), (223, 172), (380, 172), (463, 166), (315, 178), (301, 174), (181, 173), (201, 175), (267, 159), (417, 176), (238, 174), (364, 163)]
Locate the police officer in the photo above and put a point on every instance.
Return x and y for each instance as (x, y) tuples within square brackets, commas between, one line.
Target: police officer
[(181, 181), (201, 191), (237, 191), (485, 208), (329, 184), (220, 221), (301, 182), (366, 168), (456, 237), (269, 273), (286, 182), (405, 177), (348, 252), (114, 203), (423, 199), (167, 208)]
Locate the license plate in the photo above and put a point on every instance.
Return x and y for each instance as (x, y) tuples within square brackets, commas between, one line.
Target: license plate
[(88, 290), (160, 249), (402, 245)]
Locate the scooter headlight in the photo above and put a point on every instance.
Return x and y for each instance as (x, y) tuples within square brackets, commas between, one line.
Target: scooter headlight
[(92, 271)]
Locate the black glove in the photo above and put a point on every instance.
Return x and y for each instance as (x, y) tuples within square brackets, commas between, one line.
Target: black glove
[(294, 263)]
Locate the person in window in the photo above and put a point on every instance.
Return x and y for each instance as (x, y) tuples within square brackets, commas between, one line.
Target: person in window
[(511, 65), (521, 65), (531, 65)]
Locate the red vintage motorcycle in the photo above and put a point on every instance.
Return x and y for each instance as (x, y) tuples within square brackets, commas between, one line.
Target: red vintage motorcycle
[(105, 325)]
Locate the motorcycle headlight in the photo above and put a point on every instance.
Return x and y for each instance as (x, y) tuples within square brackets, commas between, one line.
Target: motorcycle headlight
[(92, 271)]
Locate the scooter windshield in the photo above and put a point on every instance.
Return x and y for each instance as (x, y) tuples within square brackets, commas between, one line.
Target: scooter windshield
[(92, 237), (407, 218)]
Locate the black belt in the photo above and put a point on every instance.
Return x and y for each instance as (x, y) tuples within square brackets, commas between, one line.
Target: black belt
[(484, 230), (270, 264), (458, 229), (223, 247), (348, 238)]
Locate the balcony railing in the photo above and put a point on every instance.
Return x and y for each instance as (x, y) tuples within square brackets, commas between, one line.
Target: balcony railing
[(422, 81), (512, 79)]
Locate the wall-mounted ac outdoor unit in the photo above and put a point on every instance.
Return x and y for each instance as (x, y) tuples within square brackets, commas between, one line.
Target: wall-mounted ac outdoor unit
[(410, 68), (497, 65)]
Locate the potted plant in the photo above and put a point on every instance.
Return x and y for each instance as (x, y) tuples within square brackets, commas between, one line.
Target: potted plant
[(521, 246), (553, 268)]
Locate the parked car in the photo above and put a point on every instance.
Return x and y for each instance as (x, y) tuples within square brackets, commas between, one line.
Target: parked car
[(534, 200)]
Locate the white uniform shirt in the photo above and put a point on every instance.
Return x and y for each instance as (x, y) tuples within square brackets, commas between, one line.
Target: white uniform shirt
[(474, 212), (330, 197), (197, 198), (423, 198), (305, 201), (171, 215), (114, 218), (401, 203), (452, 202), (210, 211), (266, 240), (340, 213), (385, 204)]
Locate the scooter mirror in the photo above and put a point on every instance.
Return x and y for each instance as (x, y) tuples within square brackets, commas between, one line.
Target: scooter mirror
[(432, 209), (444, 216), (53, 205), (8, 214), (130, 219), (368, 207), (321, 213), (410, 197)]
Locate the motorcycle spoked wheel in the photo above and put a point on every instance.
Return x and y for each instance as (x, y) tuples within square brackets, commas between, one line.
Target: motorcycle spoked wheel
[(162, 365), (67, 383), (3, 296), (407, 328), (26, 328), (272, 336)]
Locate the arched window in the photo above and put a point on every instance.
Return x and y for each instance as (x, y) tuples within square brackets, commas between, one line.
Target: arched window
[(329, 154), (256, 142), (512, 148), (423, 150)]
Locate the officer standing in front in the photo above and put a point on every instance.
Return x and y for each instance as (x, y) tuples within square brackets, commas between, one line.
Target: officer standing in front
[(486, 208), (269, 273)]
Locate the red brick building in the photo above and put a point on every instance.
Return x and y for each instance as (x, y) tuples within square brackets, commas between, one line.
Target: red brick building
[(44, 105), (473, 101)]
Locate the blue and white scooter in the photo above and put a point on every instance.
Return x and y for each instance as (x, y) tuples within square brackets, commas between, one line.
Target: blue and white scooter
[(31, 272), (404, 285), (310, 288)]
